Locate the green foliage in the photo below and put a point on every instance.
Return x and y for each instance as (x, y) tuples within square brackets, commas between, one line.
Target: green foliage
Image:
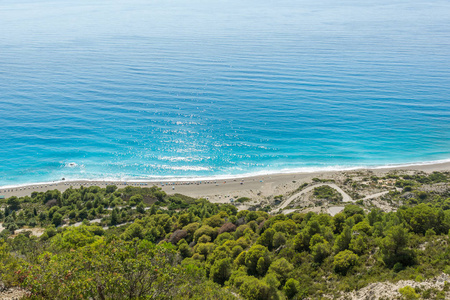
[(393, 247), (254, 289), (8, 266), (327, 192), (56, 219), (205, 230), (343, 240), (221, 270), (344, 260), (93, 272), (215, 252), (243, 199), (76, 237), (281, 268), (257, 260), (351, 210), (408, 293), (135, 230), (291, 288), (111, 189), (13, 203), (320, 251)]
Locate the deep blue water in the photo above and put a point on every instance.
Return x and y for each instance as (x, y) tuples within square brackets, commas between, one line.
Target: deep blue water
[(148, 89)]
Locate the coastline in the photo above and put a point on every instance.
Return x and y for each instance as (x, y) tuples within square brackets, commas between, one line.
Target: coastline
[(221, 188)]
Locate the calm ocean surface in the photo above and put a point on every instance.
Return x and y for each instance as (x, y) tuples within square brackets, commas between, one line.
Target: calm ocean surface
[(149, 89)]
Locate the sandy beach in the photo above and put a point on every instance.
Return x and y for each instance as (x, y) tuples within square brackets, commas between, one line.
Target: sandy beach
[(221, 190)]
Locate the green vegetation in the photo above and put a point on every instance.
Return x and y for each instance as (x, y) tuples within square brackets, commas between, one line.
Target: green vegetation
[(243, 199), (176, 247), (327, 193)]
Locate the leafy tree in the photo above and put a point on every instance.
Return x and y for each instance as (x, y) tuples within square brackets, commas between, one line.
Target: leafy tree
[(338, 222), (254, 289), (236, 251), (57, 219), (251, 216), (185, 250), (135, 230), (321, 251), (278, 240), (351, 210), (281, 268), (140, 208), (343, 240), (374, 216), (136, 199), (82, 214), (205, 230), (262, 265), (11, 227), (114, 217), (204, 239), (395, 240), (227, 227), (301, 241), (363, 227), (344, 260), (204, 249), (393, 247), (221, 270), (252, 257), (111, 189), (13, 203), (266, 238), (287, 227), (291, 288), (74, 237), (214, 221)]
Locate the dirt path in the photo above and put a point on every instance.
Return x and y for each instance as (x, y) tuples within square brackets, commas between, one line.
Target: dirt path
[(345, 196), (375, 195)]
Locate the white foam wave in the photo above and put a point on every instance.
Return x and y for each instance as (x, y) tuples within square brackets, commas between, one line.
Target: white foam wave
[(185, 168), (182, 158), (158, 178)]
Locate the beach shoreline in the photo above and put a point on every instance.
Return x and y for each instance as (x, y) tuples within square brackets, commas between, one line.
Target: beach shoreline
[(221, 188)]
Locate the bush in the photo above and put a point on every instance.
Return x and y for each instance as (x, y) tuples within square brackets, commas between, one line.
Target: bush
[(205, 230), (227, 227), (204, 239), (344, 261), (321, 251), (221, 270), (253, 259), (327, 192), (291, 288), (243, 199), (254, 289), (111, 189), (177, 236), (408, 293), (57, 219)]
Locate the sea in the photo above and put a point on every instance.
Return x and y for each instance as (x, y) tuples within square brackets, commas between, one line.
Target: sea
[(178, 89)]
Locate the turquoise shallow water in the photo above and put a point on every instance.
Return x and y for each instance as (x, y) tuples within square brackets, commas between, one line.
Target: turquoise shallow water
[(150, 89)]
